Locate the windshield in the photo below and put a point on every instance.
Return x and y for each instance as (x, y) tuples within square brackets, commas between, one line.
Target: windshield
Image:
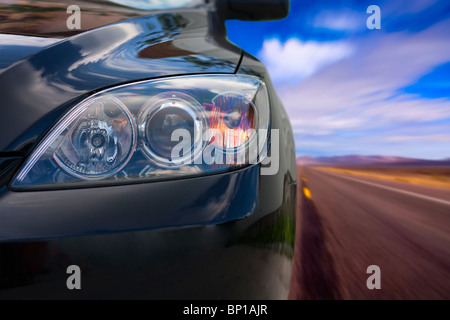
[(159, 4)]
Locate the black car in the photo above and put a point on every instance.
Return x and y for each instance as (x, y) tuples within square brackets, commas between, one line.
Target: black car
[(142, 155)]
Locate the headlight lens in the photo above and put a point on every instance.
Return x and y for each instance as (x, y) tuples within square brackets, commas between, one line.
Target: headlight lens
[(164, 114), (154, 129), (100, 142)]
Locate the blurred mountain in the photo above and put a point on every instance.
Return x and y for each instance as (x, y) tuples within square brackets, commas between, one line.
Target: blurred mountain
[(360, 160)]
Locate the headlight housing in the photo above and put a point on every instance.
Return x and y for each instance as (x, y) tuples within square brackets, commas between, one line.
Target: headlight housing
[(155, 129)]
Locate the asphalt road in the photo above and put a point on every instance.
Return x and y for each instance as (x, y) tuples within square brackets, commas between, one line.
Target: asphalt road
[(347, 223)]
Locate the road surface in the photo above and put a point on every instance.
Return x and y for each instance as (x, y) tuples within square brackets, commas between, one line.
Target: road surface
[(347, 223)]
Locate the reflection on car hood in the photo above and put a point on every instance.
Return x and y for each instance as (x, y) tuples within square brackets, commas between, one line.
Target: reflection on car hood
[(16, 48), (41, 78), (48, 18)]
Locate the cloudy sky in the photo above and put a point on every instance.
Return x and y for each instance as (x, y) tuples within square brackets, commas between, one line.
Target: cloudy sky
[(352, 90)]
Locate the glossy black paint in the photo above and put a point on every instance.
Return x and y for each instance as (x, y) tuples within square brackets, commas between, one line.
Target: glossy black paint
[(199, 201), (223, 236), (235, 260), (37, 90), (7, 167), (253, 10), (15, 48), (272, 195)]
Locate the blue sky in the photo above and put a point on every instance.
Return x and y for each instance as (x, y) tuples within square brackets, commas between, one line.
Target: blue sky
[(352, 90)]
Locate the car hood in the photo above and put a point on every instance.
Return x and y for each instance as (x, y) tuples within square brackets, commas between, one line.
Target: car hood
[(43, 74)]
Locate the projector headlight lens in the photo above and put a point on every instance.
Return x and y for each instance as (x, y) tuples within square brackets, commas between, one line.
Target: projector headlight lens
[(161, 116)]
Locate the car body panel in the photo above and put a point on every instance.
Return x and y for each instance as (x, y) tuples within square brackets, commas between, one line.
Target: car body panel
[(200, 201), (208, 262), (221, 236), (38, 89)]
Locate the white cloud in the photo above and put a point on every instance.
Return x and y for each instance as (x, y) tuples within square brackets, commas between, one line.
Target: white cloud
[(357, 105), (426, 138), (296, 60), (340, 20)]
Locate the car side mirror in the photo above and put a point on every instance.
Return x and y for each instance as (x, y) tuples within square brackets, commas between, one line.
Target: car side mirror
[(252, 10)]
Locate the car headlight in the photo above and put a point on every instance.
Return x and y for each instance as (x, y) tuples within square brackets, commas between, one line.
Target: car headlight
[(155, 129)]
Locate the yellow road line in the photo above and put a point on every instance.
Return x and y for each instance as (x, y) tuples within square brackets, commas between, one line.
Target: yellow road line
[(306, 192)]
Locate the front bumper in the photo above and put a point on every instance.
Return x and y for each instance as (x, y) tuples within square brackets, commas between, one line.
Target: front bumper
[(203, 238)]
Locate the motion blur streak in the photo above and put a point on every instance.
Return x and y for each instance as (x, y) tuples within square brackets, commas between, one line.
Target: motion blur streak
[(413, 194), (307, 192), (353, 223)]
